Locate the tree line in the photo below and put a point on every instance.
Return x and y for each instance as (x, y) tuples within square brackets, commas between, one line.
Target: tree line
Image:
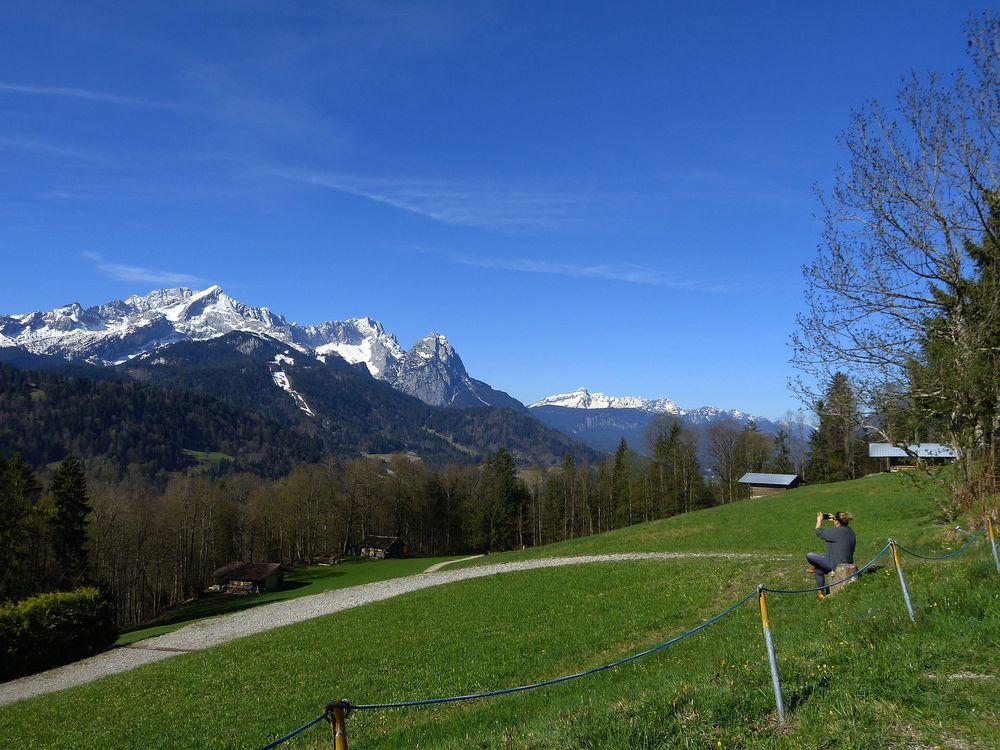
[(151, 545)]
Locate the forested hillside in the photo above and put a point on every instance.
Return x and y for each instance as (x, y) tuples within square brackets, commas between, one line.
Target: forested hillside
[(115, 425)]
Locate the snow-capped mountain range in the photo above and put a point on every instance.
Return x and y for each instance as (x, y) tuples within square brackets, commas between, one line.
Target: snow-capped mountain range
[(120, 331), (601, 421), (581, 398)]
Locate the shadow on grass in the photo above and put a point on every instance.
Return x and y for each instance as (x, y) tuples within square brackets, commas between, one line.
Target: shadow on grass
[(211, 605)]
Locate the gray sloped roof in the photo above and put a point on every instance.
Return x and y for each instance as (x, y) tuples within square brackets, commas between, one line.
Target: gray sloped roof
[(241, 571), (922, 450), (778, 480), (379, 542)]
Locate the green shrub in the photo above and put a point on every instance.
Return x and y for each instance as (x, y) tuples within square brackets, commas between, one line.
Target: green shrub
[(52, 629)]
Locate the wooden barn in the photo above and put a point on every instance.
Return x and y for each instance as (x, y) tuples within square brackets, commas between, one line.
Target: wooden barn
[(381, 547), (762, 485), (249, 578)]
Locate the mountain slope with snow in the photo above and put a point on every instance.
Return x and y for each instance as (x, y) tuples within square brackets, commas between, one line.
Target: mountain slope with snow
[(122, 330), (581, 398)]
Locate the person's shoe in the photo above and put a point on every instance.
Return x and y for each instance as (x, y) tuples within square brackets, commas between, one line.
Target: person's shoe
[(811, 569), (820, 596)]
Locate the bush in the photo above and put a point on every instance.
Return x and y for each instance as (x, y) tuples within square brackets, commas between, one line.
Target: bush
[(53, 629)]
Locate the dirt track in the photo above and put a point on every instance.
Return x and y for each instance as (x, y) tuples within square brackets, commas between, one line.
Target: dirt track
[(207, 633)]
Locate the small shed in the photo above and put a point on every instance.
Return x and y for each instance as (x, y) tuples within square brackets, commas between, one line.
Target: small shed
[(929, 452), (249, 578), (762, 485), (381, 547)]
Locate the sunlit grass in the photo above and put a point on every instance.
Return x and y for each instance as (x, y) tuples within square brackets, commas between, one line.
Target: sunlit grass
[(304, 581), (856, 673)]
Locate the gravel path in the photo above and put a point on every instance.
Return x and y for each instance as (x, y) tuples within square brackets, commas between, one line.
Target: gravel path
[(437, 566), (207, 633)]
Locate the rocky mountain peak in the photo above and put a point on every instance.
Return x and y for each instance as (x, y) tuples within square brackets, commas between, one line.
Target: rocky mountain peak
[(121, 330)]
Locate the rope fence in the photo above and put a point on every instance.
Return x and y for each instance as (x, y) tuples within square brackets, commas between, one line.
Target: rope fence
[(336, 712)]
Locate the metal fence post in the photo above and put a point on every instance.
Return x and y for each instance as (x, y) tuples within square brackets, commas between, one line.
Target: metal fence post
[(771, 657), (902, 581), (993, 542)]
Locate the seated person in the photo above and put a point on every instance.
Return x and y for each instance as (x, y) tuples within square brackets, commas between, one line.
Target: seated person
[(840, 542)]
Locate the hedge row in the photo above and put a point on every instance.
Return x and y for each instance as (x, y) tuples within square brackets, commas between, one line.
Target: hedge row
[(52, 629)]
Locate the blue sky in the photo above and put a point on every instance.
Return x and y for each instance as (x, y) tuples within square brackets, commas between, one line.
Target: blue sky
[(616, 195)]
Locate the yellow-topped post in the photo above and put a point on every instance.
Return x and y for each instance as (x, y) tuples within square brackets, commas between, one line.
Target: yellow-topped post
[(902, 581), (772, 659), (993, 542), (338, 725)]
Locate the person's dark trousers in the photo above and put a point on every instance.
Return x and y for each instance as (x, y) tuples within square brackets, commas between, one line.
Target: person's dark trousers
[(823, 566)]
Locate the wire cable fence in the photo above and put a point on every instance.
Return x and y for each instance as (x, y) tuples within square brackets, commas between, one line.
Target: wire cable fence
[(829, 584), (947, 555), (336, 712), (298, 731), (565, 678)]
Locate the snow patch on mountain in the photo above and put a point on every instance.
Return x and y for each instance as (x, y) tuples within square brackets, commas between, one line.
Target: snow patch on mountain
[(358, 340), (281, 380)]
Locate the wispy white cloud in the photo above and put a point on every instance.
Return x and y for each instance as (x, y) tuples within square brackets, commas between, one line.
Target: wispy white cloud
[(461, 204), (52, 149), (66, 195), (731, 187), (86, 94), (123, 272), (623, 272)]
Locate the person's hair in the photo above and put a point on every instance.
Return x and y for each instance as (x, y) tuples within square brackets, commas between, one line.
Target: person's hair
[(844, 517)]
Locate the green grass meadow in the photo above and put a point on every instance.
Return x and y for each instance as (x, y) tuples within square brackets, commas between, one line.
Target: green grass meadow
[(855, 672), (304, 581)]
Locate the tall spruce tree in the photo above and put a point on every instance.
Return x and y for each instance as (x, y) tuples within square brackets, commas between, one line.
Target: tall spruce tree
[(505, 496), (835, 446), (19, 493), (69, 524), (621, 495), (956, 376)]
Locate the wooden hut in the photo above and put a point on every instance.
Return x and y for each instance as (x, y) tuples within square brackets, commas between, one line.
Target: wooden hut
[(762, 485), (897, 457), (249, 578), (381, 547)]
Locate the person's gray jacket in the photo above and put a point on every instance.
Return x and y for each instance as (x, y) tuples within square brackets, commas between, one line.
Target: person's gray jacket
[(840, 543)]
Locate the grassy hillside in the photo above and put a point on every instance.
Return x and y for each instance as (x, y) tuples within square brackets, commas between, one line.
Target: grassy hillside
[(304, 581), (856, 673)]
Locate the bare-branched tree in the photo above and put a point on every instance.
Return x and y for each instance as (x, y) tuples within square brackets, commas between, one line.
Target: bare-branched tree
[(892, 291)]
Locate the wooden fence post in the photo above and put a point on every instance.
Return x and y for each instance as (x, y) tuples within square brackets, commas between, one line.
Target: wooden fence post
[(338, 725)]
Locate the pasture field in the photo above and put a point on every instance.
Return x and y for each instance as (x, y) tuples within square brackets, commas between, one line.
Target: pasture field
[(303, 581), (856, 673)]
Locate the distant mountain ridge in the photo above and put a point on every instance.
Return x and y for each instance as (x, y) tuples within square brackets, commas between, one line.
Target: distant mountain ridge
[(120, 331), (601, 421), (581, 398)]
